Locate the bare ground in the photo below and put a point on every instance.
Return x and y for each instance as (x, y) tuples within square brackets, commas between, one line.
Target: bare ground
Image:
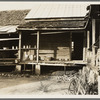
[(34, 85)]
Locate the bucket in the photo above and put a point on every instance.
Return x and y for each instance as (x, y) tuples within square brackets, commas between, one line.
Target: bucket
[(31, 57)]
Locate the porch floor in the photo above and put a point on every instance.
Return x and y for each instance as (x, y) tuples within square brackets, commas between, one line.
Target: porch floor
[(56, 63)]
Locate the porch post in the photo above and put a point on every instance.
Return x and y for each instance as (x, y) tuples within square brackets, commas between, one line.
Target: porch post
[(70, 45), (18, 67), (37, 46), (88, 43), (93, 41), (88, 39), (37, 67), (19, 54), (84, 47)]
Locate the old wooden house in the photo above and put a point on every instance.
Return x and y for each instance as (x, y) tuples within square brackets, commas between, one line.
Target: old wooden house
[(52, 37), (9, 21), (60, 35)]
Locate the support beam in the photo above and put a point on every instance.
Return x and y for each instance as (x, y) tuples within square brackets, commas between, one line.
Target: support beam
[(84, 47), (19, 53), (32, 68), (38, 46), (70, 45), (18, 68), (93, 41), (88, 39), (9, 39), (37, 66), (88, 44), (93, 31), (37, 69)]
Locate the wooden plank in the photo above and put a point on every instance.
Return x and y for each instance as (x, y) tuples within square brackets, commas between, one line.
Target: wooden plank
[(63, 52), (56, 19), (7, 58), (57, 32), (37, 29), (70, 45), (93, 41), (88, 44), (51, 32), (46, 51), (88, 39), (28, 48), (19, 53), (56, 63), (84, 47), (47, 64), (32, 68), (93, 31), (8, 49), (38, 46), (7, 64), (37, 69), (8, 39)]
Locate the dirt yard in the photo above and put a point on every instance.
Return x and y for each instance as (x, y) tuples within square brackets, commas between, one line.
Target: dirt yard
[(26, 84)]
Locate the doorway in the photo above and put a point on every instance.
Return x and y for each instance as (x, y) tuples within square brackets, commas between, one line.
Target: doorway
[(77, 46)]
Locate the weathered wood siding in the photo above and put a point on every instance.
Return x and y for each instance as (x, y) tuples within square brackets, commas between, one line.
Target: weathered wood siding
[(55, 46)]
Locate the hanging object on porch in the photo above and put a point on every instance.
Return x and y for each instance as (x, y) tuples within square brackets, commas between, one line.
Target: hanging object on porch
[(31, 57), (25, 56)]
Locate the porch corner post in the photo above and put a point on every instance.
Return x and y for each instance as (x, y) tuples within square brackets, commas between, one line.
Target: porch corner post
[(88, 43), (38, 46), (18, 66), (93, 41), (37, 67), (84, 47), (70, 45), (19, 54), (88, 39)]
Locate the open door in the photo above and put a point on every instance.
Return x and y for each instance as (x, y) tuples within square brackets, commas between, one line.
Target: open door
[(77, 46)]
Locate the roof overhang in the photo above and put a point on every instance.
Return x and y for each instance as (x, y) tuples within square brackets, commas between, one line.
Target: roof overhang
[(57, 10), (49, 29), (54, 25), (8, 29)]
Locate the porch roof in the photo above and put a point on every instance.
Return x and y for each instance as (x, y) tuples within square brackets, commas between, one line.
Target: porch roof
[(53, 25), (8, 29), (9, 20), (57, 10), (12, 17)]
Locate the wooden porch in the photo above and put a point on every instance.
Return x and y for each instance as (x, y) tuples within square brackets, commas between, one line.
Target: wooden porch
[(36, 67), (53, 39), (56, 63)]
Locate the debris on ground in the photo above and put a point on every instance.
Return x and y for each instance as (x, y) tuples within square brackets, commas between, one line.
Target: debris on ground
[(56, 82)]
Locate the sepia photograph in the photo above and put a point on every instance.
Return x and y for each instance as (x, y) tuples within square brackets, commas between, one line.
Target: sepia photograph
[(49, 49)]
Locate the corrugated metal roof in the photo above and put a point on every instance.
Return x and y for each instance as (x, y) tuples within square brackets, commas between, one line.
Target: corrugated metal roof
[(57, 10), (8, 29)]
